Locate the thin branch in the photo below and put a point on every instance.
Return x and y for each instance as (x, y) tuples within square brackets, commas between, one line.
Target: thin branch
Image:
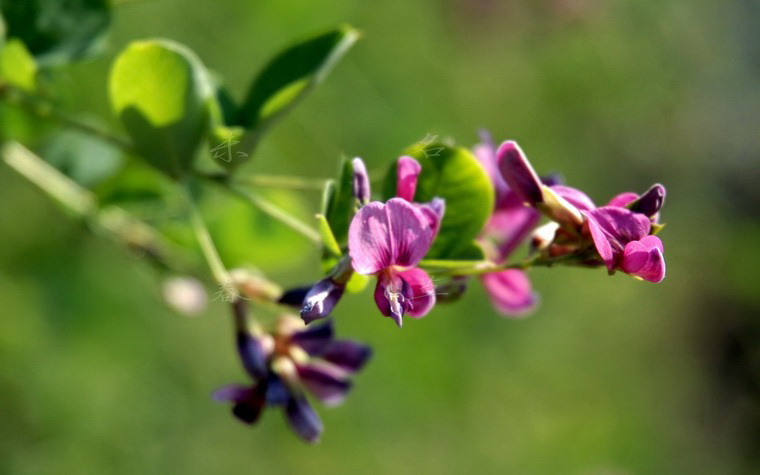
[(47, 111), (113, 222), (221, 276), (287, 182), (275, 212)]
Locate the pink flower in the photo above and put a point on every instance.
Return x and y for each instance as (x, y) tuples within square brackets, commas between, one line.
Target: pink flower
[(388, 240), (510, 291), (621, 232)]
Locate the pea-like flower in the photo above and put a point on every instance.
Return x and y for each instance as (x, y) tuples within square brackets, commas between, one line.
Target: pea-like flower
[(622, 232), (287, 363), (389, 240)]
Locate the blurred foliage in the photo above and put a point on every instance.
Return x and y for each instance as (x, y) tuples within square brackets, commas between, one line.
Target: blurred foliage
[(610, 376)]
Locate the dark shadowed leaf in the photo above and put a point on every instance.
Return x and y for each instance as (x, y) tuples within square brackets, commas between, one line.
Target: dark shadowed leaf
[(57, 31)]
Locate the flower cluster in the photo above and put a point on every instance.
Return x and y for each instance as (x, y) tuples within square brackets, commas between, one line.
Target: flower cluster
[(288, 362), (392, 239)]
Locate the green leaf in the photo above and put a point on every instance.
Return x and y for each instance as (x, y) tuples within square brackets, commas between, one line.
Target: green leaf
[(57, 31), (17, 66), (342, 204), (161, 93), (246, 235), (289, 77), (454, 174), (86, 160), (331, 247)]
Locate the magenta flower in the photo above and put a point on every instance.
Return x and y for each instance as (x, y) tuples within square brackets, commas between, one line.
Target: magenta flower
[(622, 239), (510, 291), (287, 363), (621, 232), (388, 240)]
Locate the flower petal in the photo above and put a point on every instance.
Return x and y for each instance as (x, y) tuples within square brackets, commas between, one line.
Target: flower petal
[(232, 393), (315, 339), (382, 301), (407, 171), (321, 299), (303, 420), (349, 355), (623, 199), (645, 259), (325, 381), (252, 355), (433, 211), (508, 227), (486, 155), (575, 197), (418, 291), (382, 235), (612, 228), (510, 292), (518, 173), (248, 401)]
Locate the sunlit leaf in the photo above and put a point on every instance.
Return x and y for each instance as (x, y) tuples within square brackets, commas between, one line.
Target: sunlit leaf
[(454, 174), (288, 78), (17, 66), (161, 93)]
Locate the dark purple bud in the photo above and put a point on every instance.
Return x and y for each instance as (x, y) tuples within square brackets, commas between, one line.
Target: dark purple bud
[(453, 289), (303, 420), (321, 299), (252, 355), (518, 173), (361, 182), (325, 381), (315, 339), (650, 202), (294, 297), (349, 355)]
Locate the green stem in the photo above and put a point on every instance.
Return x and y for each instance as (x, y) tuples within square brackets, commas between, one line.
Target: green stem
[(286, 182), (275, 212), (221, 276), (455, 268), (113, 222)]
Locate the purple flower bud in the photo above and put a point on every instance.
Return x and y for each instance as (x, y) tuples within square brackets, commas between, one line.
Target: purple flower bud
[(650, 202), (361, 182), (321, 299)]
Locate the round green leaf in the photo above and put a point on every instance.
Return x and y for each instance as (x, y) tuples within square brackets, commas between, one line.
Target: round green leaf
[(161, 93), (454, 174)]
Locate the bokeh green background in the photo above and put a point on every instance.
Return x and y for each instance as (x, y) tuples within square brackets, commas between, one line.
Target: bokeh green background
[(610, 376)]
